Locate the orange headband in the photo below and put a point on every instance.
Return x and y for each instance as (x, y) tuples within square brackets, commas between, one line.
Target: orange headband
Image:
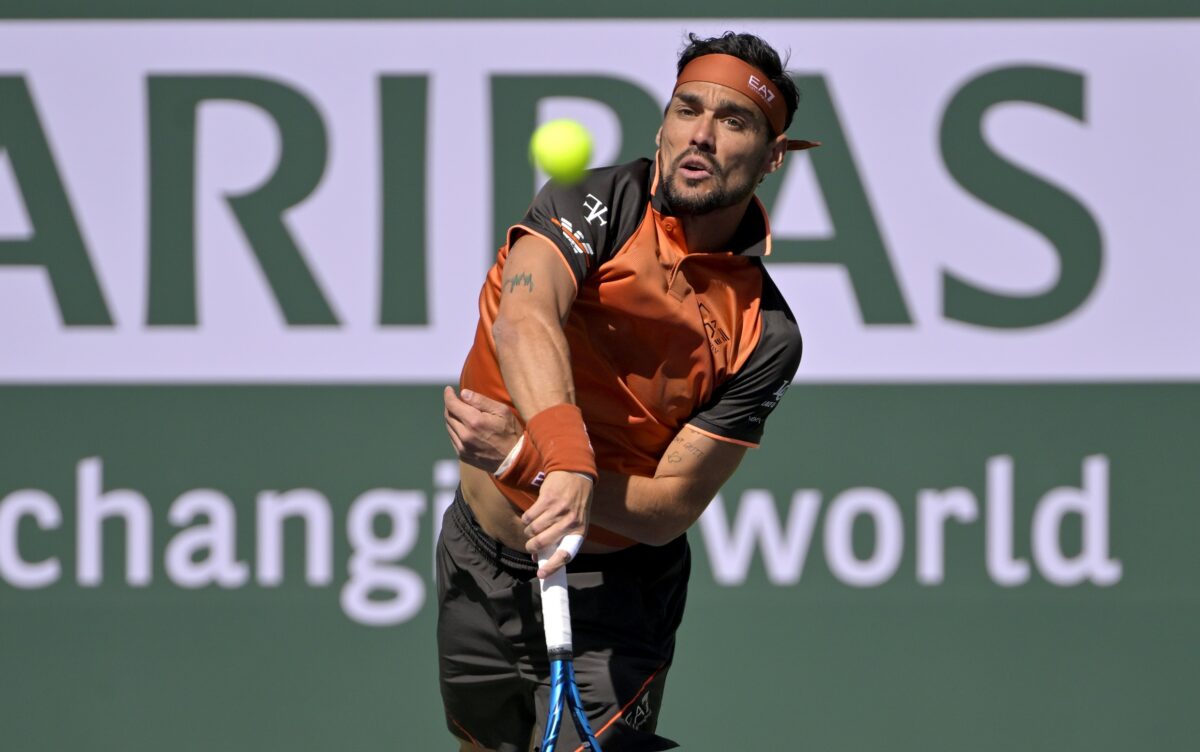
[(737, 74)]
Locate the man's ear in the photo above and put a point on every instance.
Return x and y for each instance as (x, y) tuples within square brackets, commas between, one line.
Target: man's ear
[(658, 137), (776, 154)]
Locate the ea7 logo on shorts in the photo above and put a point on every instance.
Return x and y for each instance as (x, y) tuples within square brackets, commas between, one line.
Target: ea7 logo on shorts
[(761, 89), (636, 717)]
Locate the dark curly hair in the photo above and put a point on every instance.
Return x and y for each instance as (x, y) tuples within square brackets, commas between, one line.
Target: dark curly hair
[(754, 51)]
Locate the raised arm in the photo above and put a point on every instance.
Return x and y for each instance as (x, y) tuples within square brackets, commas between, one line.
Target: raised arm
[(537, 292)]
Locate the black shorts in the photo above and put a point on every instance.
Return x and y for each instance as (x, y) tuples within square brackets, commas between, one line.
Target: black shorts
[(625, 608)]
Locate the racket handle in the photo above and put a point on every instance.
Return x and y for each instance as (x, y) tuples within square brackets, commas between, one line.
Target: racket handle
[(556, 610)]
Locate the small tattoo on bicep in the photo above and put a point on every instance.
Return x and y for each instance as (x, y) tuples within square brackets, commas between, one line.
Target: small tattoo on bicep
[(521, 279), (680, 446)]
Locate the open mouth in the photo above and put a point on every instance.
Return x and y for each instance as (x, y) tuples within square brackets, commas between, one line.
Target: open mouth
[(695, 168)]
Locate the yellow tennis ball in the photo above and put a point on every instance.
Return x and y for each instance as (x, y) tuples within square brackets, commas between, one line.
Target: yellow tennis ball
[(562, 149)]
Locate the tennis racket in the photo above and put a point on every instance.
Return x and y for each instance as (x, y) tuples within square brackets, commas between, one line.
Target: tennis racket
[(564, 693)]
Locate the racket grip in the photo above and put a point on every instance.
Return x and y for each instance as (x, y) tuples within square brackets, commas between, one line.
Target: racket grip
[(556, 610)]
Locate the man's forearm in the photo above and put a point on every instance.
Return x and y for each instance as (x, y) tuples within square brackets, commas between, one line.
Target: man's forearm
[(659, 509), (648, 510), (534, 361)]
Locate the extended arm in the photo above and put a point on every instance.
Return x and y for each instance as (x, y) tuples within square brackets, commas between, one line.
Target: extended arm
[(538, 290)]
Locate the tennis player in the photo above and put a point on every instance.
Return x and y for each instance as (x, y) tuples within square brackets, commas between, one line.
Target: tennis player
[(629, 350)]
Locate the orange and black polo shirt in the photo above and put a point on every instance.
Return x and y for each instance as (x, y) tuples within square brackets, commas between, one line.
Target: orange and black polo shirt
[(659, 337)]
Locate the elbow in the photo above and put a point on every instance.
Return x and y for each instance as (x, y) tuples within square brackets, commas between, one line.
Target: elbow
[(510, 328), (657, 539), (661, 535), (506, 332)]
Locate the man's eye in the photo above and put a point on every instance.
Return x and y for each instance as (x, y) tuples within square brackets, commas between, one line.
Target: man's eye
[(734, 123), (685, 111)]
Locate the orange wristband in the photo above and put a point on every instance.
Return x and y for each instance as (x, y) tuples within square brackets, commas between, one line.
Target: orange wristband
[(560, 436), (528, 468)]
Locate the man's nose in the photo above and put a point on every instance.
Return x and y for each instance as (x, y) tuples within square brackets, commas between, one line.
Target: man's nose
[(702, 135)]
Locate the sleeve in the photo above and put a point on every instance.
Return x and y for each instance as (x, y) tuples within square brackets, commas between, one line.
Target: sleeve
[(739, 409), (586, 221)]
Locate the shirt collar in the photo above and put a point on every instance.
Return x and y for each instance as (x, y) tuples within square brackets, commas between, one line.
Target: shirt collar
[(753, 234)]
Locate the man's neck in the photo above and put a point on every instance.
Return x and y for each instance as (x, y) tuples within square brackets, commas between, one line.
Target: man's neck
[(712, 231)]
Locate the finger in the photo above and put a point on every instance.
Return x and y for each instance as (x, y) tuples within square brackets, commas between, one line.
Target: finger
[(475, 420), (453, 424), (460, 409), (453, 427), (553, 534), (539, 542), (535, 510), (570, 545), (484, 404), (484, 423), (543, 521), (539, 525), (551, 495), (539, 519), (553, 564)]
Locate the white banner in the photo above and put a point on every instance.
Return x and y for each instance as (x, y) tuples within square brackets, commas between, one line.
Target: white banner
[(1126, 168)]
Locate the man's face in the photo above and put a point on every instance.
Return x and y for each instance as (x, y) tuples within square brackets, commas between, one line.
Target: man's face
[(714, 147)]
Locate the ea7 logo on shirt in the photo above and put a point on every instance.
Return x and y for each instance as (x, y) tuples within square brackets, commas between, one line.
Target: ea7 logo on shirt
[(761, 89), (778, 395), (569, 232), (716, 335), (596, 210)]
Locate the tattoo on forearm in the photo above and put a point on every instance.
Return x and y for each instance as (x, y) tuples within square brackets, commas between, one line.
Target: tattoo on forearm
[(674, 457), (519, 280)]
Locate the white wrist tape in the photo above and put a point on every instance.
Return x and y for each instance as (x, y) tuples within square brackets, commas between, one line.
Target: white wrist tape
[(511, 458), (570, 544)]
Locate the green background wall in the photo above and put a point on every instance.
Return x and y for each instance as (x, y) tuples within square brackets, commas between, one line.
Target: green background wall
[(965, 664)]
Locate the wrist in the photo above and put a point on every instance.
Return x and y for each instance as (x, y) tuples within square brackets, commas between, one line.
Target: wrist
[(560, 436), (511, 457), (523, 467)]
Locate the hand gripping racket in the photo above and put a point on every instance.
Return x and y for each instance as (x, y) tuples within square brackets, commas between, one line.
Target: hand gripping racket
[(564, 694)]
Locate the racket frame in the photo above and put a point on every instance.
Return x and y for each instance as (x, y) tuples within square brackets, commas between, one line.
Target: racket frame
[(564, 692)]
